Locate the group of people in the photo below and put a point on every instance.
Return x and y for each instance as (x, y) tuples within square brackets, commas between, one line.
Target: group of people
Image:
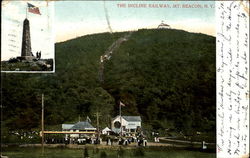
[(56, 141), (156, 137), (38, 55), (140, 140)]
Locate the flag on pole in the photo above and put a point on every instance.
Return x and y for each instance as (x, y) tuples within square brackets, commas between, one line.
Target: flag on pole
[(33, 9), (122, 104), (88, 119)]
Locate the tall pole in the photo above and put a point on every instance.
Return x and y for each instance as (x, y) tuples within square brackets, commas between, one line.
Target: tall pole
[(97, 120), (97, 114), (120, 107), (47, 4), (26, 12), (42, 124)]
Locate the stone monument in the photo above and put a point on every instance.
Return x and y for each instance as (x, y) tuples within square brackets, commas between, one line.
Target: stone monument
[(26, 53)]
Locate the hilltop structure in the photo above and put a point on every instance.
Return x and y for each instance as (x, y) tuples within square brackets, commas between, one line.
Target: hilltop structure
[(163, 26)]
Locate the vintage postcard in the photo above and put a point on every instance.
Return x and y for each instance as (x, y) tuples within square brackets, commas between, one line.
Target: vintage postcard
[(133, 79), (27, 36)]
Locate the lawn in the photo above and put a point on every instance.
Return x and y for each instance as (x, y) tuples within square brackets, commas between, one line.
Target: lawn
[(161, 152)]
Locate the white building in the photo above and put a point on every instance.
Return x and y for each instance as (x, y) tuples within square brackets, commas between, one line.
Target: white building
[(163, 26), (106, 131), (130, 124)]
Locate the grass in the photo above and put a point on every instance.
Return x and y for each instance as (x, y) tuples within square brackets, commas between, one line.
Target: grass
[(96, 153), (26, 66)]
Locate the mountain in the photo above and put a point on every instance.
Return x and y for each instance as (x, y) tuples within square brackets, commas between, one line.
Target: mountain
[(166, 76)]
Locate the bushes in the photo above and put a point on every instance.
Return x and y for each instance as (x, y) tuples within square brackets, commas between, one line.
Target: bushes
[(96, 151), (86, 153), (120, 152), (13, 60), (139, 152), (103, 154)]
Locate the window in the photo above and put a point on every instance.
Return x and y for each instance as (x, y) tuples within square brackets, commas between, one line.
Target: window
[(117, 124)]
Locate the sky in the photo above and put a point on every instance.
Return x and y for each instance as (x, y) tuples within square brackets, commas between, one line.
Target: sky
[(64, 20), (77, 18)]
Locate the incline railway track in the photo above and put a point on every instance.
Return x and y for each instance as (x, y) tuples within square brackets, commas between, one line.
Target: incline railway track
[(108, 53)]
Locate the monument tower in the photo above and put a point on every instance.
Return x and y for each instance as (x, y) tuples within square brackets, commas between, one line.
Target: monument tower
[(26, 44)]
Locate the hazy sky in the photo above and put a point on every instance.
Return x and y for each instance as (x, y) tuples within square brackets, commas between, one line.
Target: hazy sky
[(77, 18)]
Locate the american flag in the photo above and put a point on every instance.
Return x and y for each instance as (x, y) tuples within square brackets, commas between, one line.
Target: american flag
[(121, 104), (33, 9)]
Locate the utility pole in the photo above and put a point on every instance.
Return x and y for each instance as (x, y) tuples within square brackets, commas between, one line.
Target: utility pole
[(120, 111), (42, 122), (97, 114), (97, 119)]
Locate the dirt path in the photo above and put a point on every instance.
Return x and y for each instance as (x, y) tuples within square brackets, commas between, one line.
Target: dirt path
[(182, 141)]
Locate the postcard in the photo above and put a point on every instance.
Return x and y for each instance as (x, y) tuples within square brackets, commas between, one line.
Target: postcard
[(131, 79)]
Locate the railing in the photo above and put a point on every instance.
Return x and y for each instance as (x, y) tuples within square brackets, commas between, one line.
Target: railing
[(67, 132)]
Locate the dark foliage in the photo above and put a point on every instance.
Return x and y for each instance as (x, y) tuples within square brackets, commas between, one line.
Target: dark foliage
[(121, 152), (139, 152), (103, 154), (86, 153), (166, 76)]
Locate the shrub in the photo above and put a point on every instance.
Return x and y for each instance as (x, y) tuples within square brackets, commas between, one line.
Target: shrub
[(95, 150), (13, 60), (139, 152), (120, 152), (86, 154), (103, 154)]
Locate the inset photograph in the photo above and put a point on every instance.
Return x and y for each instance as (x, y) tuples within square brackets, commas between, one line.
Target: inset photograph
[(27, 37)]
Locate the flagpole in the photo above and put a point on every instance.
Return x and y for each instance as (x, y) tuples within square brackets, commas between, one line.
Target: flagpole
[(47, 11), (26, 12)]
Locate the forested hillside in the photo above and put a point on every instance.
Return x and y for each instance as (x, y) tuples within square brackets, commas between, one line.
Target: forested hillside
[(165, 76), (168, 76)]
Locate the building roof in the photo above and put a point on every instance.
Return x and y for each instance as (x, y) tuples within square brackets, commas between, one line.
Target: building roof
[(67, 126), (82, 126), (163, 25), (106, 129), (130, 118), (78, 126)]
